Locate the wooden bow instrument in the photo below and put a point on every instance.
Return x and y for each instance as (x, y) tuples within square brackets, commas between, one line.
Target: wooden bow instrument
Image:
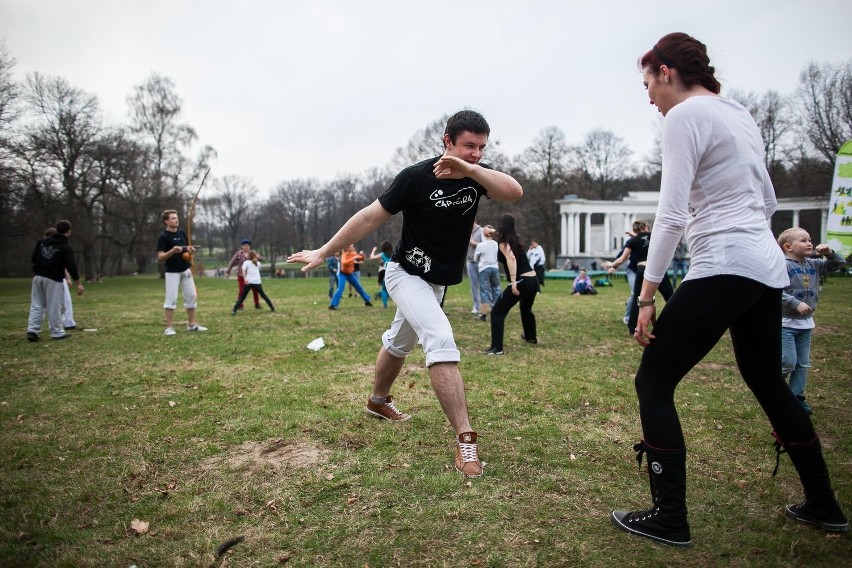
[(188, 256)]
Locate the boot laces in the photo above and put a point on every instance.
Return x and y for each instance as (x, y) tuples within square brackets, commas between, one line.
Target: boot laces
[(639, 448), (468, 452), (779, 449)]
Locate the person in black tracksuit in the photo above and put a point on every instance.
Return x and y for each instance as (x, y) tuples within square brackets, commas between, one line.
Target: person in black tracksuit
[(51, 257)]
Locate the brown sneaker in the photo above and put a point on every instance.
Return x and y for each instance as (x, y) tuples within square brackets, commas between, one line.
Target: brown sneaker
[(386, 410), (467, 456)]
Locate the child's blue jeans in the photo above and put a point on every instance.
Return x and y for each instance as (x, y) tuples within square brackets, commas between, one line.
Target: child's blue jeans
[(796, 357)]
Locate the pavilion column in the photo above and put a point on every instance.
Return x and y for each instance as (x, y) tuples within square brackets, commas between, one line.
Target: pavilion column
[(823, 225), (569, 249), (795, 217), (574, 243), (563, 244), (607, 232)]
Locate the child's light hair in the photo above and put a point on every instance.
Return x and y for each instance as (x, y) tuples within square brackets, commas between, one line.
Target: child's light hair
[(253, 257), (787, 235)]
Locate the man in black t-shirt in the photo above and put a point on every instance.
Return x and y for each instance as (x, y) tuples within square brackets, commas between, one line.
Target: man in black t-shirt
[(438, 199), (171, 246)]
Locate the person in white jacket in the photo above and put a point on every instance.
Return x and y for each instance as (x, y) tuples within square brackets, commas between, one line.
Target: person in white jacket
[(714, 184)]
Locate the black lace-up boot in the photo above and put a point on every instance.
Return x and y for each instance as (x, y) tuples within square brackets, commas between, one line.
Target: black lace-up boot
[(820, 507), (666, 521)]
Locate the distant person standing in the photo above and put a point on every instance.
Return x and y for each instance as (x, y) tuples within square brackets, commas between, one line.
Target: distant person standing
[(679, 262), (171, 247), (522, 288), (67, 306), (251, 273), (237, 262), (348, 258), (489, 272), (473, 267), (51, 257), (535, 255), (384, 256), (332, 263)]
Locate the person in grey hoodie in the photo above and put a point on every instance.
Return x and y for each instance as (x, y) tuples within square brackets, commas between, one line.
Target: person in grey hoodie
[(798, 302)]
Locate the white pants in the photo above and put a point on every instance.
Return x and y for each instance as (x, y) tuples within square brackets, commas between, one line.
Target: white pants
[(46, 297), (184, 281), (419, 318), (67, 307)]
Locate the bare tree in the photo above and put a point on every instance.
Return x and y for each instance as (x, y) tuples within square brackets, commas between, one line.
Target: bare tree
[(63, 135), (824, 99), (426, 143), (773, 116), (230, 208), (545, 170), (603, 159)]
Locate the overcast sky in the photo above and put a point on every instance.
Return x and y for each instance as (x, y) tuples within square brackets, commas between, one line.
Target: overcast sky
[(296, 88)]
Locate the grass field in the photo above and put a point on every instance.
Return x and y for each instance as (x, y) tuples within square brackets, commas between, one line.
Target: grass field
[(242, 431)]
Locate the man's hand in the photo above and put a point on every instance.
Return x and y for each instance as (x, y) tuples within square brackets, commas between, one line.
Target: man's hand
[(310, 258), (450, 167)]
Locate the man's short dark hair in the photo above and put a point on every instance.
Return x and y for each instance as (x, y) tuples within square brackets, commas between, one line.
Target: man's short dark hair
[(62, 227), (167, 213), (466, 121)]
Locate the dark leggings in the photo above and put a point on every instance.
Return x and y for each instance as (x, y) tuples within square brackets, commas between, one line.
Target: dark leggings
[(528, 288), (665, 289), (259, 290), (689, 326)]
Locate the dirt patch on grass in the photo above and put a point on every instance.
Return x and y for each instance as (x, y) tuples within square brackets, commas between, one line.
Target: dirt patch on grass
[(275, 454)]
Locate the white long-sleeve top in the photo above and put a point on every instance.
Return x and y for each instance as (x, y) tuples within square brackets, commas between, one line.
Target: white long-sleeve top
[(486, 254), (715, 185), (251, 272)]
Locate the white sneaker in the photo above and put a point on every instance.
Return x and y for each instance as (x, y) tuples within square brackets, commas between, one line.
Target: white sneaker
[(196, 327), (170, 331), (474, 311)]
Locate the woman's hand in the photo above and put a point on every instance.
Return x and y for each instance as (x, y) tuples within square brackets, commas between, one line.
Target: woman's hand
[(647, 319)]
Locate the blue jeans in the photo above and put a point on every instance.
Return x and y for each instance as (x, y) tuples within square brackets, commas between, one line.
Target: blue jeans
[(342, 279), (796, 357), (473, 276), (489, 286)]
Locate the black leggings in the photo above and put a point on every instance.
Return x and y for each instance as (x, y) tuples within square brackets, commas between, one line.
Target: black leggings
[(248, 288), (528, 288), (689, 326)]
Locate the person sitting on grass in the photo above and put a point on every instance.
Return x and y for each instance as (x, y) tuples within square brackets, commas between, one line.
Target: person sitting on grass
[(583, 284)]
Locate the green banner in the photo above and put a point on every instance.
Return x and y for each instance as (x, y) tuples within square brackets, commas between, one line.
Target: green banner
[(840, 203)]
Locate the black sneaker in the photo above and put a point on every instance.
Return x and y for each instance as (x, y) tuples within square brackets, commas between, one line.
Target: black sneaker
[(648, 524), (531, 341), (332, 307), (368, 303), (32, 336), (832, 521), (71, 328), (493, 351), (483, 317)]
